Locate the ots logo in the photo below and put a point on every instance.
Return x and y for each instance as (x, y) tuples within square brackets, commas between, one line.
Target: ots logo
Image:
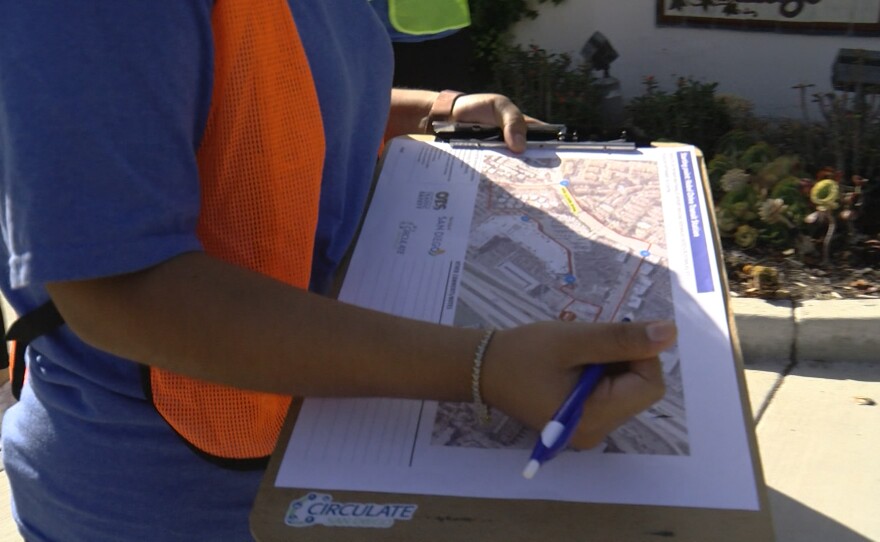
[(319, 509), (440, 200), (432, 200)]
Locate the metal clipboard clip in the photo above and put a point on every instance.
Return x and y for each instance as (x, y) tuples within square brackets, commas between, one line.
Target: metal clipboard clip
[(549, 136)]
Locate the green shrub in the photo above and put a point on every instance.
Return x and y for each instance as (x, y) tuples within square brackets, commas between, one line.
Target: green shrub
[(548, 86), (491, 21), (691, 114)]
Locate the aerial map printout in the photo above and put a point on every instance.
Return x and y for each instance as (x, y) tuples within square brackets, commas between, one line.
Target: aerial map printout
[(479, 237)]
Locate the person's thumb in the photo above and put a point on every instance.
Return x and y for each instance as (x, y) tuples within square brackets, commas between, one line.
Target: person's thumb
[(604, 343)]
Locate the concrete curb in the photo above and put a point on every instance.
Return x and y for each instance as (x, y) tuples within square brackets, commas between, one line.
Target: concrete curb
[(832, 330), (766, 328)]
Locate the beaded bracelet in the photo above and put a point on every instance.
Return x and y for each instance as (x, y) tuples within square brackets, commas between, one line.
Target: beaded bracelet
[(482, 408)]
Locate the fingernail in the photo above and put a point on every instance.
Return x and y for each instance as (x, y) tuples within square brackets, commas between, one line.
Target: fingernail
[(660, 331), (519, 141)]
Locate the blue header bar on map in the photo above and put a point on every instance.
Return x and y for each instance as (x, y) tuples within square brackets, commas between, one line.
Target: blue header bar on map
[(696, 224)]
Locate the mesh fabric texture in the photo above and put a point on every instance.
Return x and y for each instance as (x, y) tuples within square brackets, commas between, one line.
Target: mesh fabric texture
[(260, 164)]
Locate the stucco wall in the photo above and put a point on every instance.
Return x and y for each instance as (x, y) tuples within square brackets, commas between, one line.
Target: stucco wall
[(759, 66)]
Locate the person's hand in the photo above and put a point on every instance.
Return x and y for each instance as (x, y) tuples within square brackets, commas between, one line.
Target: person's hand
[(529, 371), (494, 110)]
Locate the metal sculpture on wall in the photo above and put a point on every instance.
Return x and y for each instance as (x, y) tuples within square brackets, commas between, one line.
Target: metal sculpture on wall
[(827, 16)]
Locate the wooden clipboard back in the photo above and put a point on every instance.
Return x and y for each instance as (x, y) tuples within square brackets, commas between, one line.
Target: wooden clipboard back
[(448, 519), (445, 519)]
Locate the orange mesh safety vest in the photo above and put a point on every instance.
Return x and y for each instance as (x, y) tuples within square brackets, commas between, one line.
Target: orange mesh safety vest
[(260, 163)]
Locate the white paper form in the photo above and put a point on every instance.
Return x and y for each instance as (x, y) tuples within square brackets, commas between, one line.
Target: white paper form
[(481, 237)]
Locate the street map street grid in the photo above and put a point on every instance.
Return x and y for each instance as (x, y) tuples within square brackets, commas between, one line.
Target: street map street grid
[(477, 236), (576, 239)]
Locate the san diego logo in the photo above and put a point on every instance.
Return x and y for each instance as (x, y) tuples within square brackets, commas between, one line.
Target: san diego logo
[(319, 509), (436, 248)]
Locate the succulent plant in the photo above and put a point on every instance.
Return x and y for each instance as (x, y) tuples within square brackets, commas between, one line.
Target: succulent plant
[(745, 236), (774, 211), (727, 223), (778, 169), (800, 186), (757, 156), (743, 198), (717, 167), (743, 211), (734, 179), (778, 234), (789, 190), (825, 194)]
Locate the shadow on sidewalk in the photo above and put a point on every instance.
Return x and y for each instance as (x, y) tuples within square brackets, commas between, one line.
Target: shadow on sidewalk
[(793, 521), (859, 371)]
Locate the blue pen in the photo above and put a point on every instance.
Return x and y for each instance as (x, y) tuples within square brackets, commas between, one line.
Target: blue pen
[(557, 433), (558, 430)]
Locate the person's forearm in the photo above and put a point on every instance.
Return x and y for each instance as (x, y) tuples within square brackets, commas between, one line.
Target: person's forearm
[(409, 109), (203, 318)]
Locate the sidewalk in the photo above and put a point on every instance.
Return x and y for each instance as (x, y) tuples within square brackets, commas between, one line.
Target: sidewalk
[(819, 443), (813, 377)]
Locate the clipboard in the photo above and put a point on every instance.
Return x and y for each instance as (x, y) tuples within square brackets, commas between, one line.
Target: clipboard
[(430, 518)]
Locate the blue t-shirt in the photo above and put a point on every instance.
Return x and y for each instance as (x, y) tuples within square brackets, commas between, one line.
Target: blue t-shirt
[(102, 107)]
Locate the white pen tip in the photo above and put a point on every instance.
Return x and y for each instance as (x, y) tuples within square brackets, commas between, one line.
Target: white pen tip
[(531, 469)]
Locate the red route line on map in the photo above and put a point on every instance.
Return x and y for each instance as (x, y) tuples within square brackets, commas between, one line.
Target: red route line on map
[(627, 289), (541, 228), (633, 277), (570, 266), (567, 252), (573, 300)]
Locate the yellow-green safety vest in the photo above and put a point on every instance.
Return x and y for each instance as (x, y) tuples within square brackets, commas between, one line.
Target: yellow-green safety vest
[(420, 17)]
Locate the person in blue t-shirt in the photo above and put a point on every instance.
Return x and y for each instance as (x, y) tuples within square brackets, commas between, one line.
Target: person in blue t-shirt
[(103, 107)]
